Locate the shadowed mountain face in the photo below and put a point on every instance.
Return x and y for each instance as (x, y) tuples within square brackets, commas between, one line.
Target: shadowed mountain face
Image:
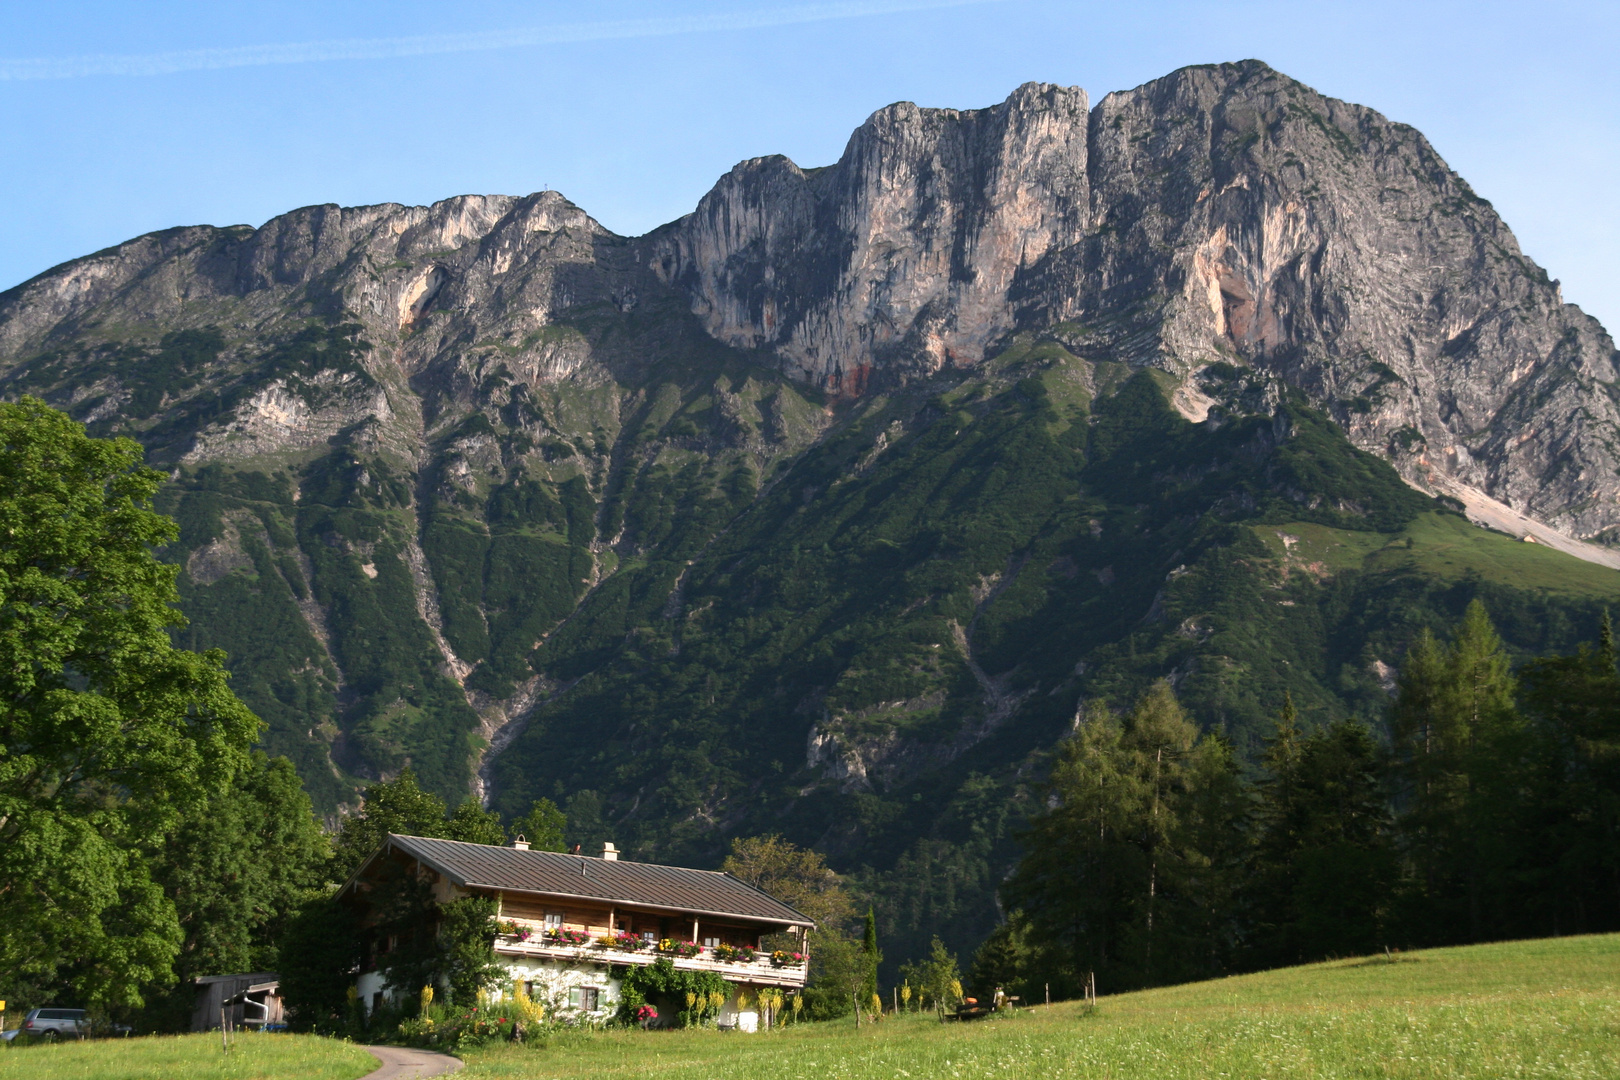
[(829, 507)]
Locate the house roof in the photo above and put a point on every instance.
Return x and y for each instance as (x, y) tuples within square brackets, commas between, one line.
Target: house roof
[(557, 874)]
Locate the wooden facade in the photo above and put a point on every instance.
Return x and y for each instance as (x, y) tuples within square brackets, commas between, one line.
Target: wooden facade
[(566, 914)]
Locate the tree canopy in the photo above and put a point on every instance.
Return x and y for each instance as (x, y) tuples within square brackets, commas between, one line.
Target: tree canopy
[(796, 876), (109, 735)]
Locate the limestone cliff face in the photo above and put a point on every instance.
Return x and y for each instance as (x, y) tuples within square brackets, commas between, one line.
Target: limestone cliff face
[(1220, 214), (904, 254)]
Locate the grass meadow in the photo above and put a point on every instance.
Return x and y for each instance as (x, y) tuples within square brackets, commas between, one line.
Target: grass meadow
[(1548, 1008), (1525, 1009), (190, 1057)]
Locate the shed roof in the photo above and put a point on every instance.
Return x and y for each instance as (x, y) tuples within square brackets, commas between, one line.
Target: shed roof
[(557, 874)]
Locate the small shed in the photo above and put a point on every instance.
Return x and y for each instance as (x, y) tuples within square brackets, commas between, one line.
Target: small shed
[(249, 1000)]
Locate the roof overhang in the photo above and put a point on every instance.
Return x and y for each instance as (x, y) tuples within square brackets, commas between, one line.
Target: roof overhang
[(467, 883), (641, 904)]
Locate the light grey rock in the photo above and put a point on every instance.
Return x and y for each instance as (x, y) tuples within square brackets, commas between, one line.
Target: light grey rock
[(1220, 214)]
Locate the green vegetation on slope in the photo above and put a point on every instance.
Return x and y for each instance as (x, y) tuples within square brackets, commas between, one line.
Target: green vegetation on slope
[(879, 646), (745, 609), (1536, 1008)]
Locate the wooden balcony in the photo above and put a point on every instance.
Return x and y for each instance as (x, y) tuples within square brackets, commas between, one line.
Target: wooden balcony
[(759, 972)]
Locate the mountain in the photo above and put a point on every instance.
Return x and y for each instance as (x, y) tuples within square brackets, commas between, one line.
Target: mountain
[(827, 508)]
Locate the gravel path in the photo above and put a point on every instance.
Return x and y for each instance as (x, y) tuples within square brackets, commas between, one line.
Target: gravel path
[(399, 1063)]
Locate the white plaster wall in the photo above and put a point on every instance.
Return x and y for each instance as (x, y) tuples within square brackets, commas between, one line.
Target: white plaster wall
[(369, 983), (743, 1020), (556, 978)]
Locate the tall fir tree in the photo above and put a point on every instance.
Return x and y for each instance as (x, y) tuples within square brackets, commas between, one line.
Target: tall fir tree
[(870, 959), (1457, 739), (1572, 819)]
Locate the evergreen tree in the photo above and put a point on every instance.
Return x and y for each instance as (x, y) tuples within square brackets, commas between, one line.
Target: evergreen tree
[(1571, 882), (1274, 888), (870, 957), (1003, 959), (1459, 744), (1081, 879), (1323, 862), (1126, 873)]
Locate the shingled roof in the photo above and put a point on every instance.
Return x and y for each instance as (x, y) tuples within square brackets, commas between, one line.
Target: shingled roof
[(554, 873)]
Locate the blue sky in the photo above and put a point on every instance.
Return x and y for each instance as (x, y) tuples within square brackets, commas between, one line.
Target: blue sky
[(120, 118)]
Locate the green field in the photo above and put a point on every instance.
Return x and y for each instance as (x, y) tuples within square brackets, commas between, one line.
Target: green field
[(1445, 546), (190, 1057), (1543, 1008), (1525, 1009)]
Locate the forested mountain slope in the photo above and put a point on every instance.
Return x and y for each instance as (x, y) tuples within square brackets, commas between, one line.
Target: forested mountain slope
[(828, 508)]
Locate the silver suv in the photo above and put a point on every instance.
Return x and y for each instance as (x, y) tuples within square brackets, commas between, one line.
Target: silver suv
[(53, 1024)]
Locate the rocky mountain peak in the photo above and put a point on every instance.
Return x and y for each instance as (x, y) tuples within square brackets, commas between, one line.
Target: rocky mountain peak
[(903, 253), (1224, 214)]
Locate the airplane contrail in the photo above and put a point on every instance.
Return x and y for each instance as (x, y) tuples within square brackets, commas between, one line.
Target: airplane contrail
[(305, 52)]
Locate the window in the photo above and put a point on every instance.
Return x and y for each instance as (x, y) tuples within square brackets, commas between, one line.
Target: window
[(554, 920), (582, 998), (649, 935), (711, 943)]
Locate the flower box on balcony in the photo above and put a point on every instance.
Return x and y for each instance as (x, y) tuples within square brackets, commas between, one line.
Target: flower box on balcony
[(671, 947), (568, 937), (784, 958), (735, 953), (625, 942)]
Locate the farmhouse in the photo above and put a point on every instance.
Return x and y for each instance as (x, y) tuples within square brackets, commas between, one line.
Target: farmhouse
[(569, 920)]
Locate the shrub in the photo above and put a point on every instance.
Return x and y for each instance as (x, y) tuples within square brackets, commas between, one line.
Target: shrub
[(695, 996)]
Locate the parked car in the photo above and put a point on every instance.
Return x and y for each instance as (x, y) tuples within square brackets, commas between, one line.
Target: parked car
[(52, 1024)]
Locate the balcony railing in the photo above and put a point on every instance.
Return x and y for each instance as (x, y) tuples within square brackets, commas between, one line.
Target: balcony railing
[(761, 971)]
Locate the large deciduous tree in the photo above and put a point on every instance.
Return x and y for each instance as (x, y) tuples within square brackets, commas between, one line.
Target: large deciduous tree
[(109, 735), (391, 806), (798, 877), (235, 870)]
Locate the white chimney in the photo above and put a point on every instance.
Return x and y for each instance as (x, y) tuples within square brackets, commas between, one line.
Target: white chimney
[(609, 852), (520, 842)]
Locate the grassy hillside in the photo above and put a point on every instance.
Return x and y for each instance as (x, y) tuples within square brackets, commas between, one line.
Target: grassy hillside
[(1539, 1008), (195, 1057)]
